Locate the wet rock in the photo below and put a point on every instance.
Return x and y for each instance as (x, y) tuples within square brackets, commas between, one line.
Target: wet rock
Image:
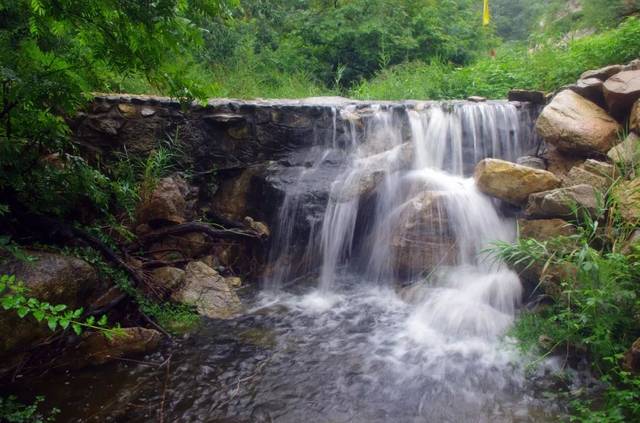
[(206, 290), (621, 91), (51, 278), (603, 73), (554, 275), (423, 239), (627, 152), (561, 202), (576, 125), (96, 348), (632, 358), (371, 171), (580, 176), (260, 228), (167, 278), (532, 161), (544, 229), (234, 197), (626, 197), (233, 281), (477, 99), (166, 205), (511, 182), (535, 97)]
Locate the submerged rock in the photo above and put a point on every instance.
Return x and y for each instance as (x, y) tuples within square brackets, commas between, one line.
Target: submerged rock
[(511, 182), (576, 125), (96, 348), (423, 238), (208, 291), (563, 202)]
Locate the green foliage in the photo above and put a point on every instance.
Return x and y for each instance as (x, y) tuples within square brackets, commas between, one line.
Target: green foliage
[(546, 68), (13, 296), (596, 314), (176, 318), (52, 55), (13, 411)]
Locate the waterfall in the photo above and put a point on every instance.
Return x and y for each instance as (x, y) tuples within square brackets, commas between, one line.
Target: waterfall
[(398, 207)]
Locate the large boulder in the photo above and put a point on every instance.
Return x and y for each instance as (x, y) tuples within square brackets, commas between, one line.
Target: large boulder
[(576, 125), (621, 91), (591, 89), (511, 182), (627, 152), (166, 205), (603, 73), (208, 292), (423, 238), (96, 348), (544, 229), (562, 202), (627, 201), (167, 278), (51, 278)]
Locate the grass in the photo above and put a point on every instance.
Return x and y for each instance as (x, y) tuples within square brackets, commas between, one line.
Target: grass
[(546, 67)]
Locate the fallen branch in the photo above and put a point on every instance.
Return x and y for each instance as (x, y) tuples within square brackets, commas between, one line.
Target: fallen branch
[(190, 227)]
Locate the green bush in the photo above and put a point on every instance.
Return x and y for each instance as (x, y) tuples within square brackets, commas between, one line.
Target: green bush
[(545, 67)]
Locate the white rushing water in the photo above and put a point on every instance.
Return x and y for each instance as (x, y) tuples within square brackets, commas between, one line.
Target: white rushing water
[(402, 211)]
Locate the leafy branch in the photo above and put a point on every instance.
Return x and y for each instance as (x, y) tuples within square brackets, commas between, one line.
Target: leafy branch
[(57, 316)]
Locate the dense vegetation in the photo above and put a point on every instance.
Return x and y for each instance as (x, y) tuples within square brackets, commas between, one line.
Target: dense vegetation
[(53, 54), (593, 317)]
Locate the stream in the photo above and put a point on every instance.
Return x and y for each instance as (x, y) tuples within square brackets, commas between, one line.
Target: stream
[(380, 304)]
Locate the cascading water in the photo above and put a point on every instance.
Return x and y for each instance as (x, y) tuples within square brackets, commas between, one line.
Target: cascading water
[(401, 210), (378, 306)]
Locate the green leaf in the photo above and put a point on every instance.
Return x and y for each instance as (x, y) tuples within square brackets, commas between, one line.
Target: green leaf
[(59, 308), (64, 323), (22, 311), (39, 315), (53, 323), (103, 320), (76, 328)]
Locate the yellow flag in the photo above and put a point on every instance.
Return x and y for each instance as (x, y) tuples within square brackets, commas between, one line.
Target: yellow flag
[(486, 17)]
